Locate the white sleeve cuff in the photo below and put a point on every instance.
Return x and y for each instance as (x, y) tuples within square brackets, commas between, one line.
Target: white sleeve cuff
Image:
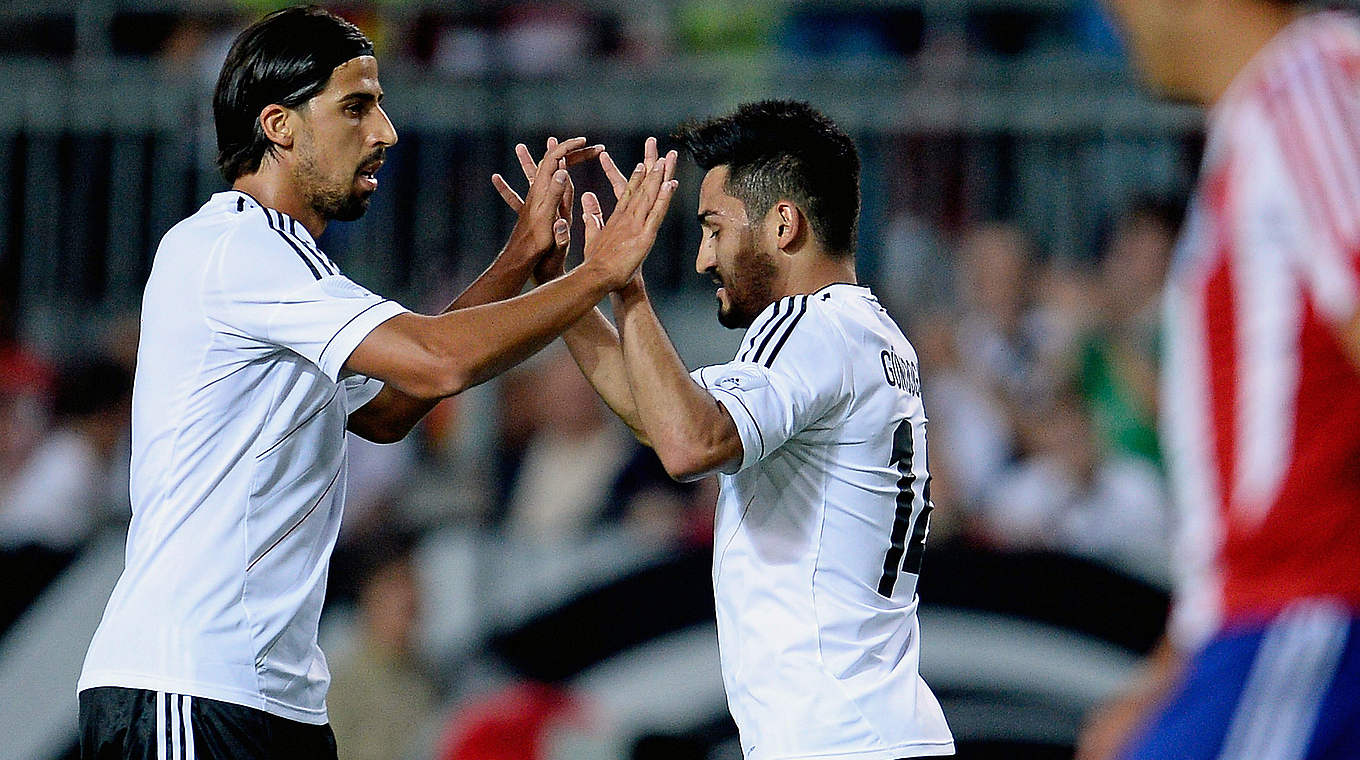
[(337, 351)]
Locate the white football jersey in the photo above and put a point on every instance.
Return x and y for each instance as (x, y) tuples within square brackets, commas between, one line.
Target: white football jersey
[(239, 411), (820, 532)]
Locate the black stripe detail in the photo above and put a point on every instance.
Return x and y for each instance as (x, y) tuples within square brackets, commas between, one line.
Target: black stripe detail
[(301, 520), (169, 724), (326, 263), (755, 336), (916, 547), (316, 257), (774, 329), (787, 332), (325, 348), (291, 244), (240, 205)]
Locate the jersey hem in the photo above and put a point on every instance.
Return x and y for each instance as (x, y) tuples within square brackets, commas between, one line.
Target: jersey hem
[(914, 749), (220, 693)]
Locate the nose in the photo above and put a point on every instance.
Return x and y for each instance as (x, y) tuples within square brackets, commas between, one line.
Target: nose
[(386, 134), (705, 260)]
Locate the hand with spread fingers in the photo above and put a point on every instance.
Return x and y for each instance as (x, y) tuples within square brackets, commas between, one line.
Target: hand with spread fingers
[(543, 231), (590, 206), (619, 245)]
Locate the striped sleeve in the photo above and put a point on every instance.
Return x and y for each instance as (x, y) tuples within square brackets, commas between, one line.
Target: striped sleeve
[(1312, 100), (790, 372)]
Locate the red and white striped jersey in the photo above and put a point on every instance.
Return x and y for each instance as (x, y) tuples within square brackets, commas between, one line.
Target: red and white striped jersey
[(1260, 402)]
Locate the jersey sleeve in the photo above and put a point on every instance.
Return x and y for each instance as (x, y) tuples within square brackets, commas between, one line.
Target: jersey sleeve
[(800, 379), (265, 289), (359, 390), (1312, 104)]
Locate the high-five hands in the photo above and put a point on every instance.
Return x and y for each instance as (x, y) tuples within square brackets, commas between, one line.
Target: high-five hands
[(543, 229), (617, 247), (590, 205)]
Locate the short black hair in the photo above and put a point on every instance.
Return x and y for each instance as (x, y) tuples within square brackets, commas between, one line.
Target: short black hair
[(784, 149), (286, 58)]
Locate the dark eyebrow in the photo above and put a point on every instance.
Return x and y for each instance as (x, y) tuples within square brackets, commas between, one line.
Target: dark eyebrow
[(362, 97)]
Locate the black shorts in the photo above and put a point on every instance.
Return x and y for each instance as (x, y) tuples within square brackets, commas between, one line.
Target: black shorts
[(136, 724)]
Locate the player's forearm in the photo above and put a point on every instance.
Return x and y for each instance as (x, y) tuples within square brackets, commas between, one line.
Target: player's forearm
[(690, 431), (483, 341), (434, 357), (393, 414), (594, 344)]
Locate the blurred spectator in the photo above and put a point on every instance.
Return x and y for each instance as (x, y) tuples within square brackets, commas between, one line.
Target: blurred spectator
[(25, 400), (1067, 497), (382, 703), (571, 458), (65, 488), (68, 485), (1118, 358), (915, 277), (543, 38), (983, 363)]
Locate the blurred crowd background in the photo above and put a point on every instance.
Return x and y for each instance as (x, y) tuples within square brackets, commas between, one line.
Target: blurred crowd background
[(519, 579)]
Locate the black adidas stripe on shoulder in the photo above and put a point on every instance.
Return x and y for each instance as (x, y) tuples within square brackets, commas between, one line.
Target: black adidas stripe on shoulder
[(755, 334), (775, 326), (784, 331), (277, 227), (326, 263)]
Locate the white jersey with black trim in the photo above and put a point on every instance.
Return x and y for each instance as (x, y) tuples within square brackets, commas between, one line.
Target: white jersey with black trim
[(238, 463), (819, 535)]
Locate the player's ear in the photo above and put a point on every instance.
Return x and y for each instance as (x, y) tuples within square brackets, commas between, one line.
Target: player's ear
[(788, 221), (277, 123)]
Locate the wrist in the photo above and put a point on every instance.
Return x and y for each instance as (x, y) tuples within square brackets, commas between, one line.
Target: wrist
[(521, 250), (633, 291), (596, 277)]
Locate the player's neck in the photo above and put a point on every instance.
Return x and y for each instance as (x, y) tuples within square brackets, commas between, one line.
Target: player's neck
[(1247, 28), (809, 274), (271, 188)]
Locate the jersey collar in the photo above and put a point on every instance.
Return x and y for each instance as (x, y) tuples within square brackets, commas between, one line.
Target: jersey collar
[(241, 202)]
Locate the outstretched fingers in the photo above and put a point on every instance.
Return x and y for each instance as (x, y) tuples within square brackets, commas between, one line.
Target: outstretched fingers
[(591, 214), (611, 172), (507, 193), (660, 206), (649, 190), (649, 153)]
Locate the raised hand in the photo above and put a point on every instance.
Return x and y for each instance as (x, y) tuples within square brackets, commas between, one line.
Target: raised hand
[(618, 246), (543, 230)]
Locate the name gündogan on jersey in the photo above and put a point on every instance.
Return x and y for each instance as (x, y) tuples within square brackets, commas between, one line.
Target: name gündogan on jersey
[(819, 535), (238, 463)]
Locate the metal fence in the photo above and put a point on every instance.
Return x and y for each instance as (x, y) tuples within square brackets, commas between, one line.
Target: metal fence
[(103, 160)]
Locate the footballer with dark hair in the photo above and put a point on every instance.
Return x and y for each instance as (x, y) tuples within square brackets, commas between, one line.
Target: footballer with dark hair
[(256, 355), (817, 433)]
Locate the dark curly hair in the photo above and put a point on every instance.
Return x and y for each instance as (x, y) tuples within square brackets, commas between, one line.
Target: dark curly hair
[(784, 150)]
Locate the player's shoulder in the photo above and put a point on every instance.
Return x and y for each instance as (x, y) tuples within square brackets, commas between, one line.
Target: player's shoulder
[(252, 238), (807, 327), (1313, 60)]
